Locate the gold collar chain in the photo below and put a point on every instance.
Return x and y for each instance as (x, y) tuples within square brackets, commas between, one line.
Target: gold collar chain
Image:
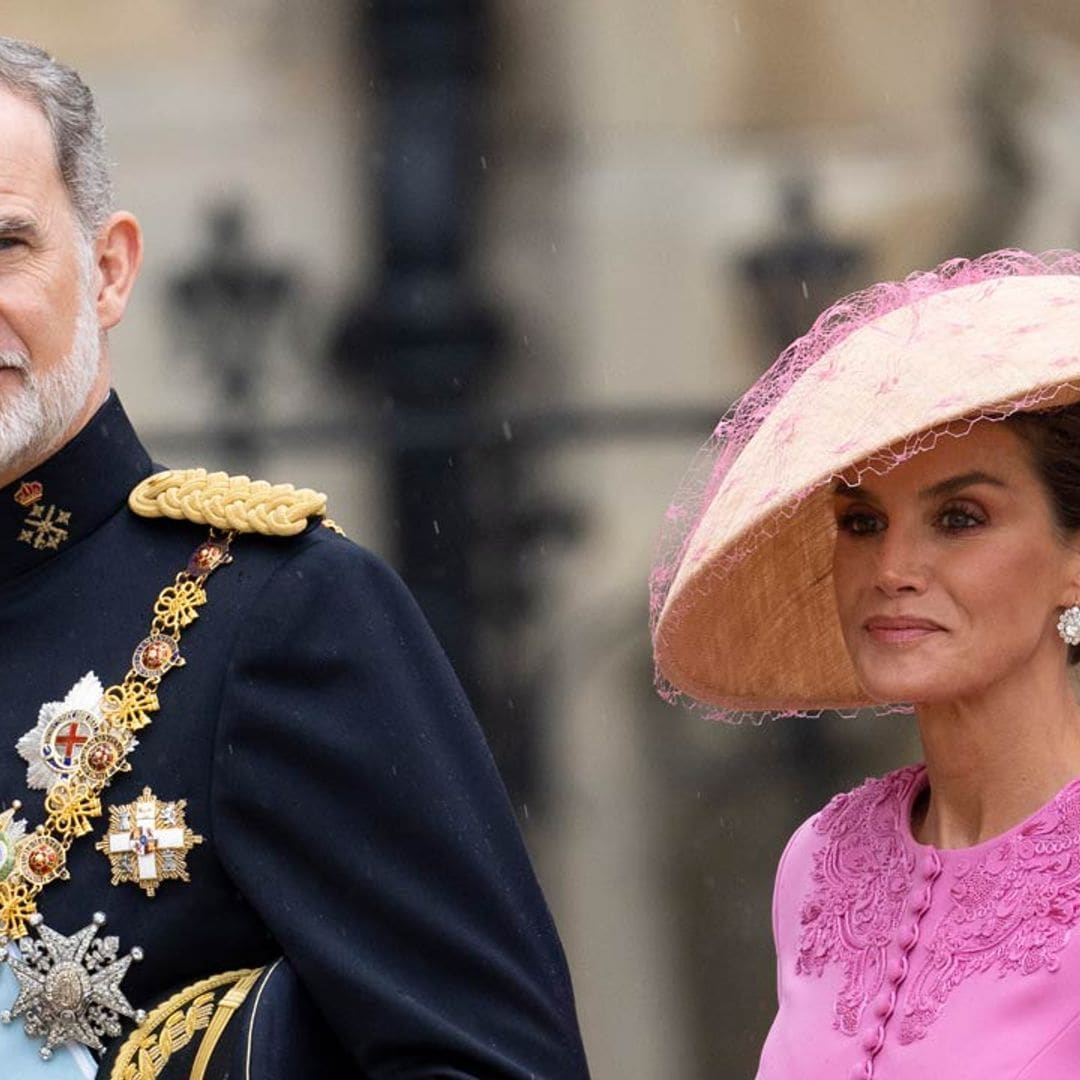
[(72, 804)]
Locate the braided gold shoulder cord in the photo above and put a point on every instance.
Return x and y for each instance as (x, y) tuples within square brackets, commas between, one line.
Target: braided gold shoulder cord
[(71, 804)]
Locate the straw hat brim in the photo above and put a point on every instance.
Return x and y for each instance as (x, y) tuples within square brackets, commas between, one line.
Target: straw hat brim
[(750, 621)]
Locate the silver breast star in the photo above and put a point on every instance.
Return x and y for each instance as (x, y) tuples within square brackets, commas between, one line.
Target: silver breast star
[(69, 987)]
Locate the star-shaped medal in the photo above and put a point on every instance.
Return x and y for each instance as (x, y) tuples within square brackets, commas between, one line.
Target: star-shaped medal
[(53, 747), (148, 842), (69, 987)]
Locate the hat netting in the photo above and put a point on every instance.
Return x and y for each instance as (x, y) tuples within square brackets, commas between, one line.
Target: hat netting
[(738, 426)]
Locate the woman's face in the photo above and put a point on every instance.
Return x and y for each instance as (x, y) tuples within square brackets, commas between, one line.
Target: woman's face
[(949, 572)]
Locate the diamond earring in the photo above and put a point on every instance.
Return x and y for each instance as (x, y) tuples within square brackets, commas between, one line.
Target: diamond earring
[(1069, 625)]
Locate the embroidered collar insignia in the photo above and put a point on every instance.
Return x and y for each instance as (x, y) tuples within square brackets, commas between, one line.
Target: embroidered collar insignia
[(45, 528)]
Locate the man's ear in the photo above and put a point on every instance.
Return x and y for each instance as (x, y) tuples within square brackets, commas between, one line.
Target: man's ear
[(117, 256)]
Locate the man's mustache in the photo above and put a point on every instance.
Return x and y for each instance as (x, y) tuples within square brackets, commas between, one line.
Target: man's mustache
[(17, 360)]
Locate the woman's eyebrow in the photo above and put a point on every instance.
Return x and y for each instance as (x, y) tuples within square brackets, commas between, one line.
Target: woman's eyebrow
[(955, 483)]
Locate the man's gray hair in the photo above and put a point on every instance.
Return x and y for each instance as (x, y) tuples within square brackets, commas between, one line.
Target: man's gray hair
[(77, 131)]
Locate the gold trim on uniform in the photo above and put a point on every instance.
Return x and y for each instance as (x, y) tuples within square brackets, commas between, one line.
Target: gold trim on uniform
[(234, 503), (175, 1022)]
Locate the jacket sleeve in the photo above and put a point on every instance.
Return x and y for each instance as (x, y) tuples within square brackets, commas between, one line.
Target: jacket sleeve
[(358, 810)]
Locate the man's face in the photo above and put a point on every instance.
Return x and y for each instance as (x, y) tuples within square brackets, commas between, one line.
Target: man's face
[(51, 374)]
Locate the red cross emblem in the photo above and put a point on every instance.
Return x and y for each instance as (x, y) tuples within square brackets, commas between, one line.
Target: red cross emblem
[(64, 738)]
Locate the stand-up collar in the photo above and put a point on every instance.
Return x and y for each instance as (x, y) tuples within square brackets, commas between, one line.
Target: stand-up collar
[(49, 509)]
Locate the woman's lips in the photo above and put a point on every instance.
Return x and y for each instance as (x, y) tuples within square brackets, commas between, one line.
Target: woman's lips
[(899, 629)]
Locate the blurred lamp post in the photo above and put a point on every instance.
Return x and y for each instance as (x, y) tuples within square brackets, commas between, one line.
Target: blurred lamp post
[(225, 307), (800, 272), (795, 277)]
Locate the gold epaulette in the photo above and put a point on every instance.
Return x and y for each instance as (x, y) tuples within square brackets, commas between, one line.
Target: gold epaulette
[(233, 503)]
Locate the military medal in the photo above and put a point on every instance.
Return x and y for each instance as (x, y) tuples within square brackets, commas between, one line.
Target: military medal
[(148, 842), (69, 987), (53, 747)]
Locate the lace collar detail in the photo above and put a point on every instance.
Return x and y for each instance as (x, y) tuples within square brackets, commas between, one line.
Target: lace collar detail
[(1011, 903), (861, 878)]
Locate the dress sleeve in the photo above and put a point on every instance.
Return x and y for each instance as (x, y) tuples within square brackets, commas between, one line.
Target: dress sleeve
[(785, 895), (357, 808)]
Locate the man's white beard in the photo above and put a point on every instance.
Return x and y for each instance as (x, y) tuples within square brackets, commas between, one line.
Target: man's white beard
[(36, 415)]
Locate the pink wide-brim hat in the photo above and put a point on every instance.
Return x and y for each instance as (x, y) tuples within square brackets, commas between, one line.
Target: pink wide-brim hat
[(744, 614)]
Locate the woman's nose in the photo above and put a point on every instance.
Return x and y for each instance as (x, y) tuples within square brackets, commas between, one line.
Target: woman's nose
[(901, 565)]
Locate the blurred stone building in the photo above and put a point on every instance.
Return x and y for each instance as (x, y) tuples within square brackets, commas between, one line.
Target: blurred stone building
[(630, 169)]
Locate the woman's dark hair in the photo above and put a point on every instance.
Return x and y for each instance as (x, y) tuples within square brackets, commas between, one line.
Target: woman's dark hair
[(1054, 441)]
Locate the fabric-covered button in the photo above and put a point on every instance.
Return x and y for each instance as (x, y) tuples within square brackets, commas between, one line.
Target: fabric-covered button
[(917, 905), (896, 970), (872, 1039), (882, 1005), (931, 864), (907, 937), (861, 1071)]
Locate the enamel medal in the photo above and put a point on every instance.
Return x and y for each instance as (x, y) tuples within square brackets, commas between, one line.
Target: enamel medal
[(69, 985), (53, 748), (148, 842)]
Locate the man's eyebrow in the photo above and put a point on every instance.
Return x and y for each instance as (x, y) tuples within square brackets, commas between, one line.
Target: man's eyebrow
[(943, 487), (17, 223)]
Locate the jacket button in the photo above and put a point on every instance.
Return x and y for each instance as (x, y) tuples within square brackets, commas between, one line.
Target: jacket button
[(872, 1039), (896, 971), (862, 1071), (907, 937), (882, 1005)]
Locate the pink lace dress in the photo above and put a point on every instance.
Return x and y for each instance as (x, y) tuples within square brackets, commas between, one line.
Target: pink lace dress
[(900, 961)]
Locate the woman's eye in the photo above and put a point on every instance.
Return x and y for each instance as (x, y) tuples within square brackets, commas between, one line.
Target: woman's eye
[(860, 523), (957, 518)]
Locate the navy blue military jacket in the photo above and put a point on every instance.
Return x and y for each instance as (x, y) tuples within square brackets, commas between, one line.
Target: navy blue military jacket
[(352, 816)]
